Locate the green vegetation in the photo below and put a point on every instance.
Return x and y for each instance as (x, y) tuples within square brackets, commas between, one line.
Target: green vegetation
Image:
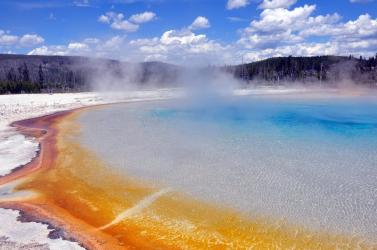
[(311, 70), (35, 74), (51, 74)]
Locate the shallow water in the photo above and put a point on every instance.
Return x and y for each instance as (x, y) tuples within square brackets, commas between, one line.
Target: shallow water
[(310, 161)]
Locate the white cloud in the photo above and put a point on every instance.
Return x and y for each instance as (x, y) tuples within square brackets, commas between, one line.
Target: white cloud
[(143, 17), (7, 39), (73, 48), (29, 40), (49, 51), (183, 46), (280, 31), (117, 21), (277, 26), (364, 27), (282, 19), (104, 19), (200, 23), (78, 47), (113, 43), (235, 4), (315, 49), (302, 49), (173, 37), (124, 25), (110, 48), (275, 4)]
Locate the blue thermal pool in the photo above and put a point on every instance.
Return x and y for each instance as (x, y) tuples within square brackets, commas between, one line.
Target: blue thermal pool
[(310, 161)]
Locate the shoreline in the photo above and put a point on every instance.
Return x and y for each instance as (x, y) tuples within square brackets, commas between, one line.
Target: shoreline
[(14, 108), (30, 116), (43, 132), (37, 209)]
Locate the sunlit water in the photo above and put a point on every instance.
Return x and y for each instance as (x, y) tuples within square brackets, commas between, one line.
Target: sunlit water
[(309, 161)]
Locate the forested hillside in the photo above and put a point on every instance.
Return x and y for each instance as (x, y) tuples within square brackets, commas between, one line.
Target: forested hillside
[(34, 74), (324, 70)]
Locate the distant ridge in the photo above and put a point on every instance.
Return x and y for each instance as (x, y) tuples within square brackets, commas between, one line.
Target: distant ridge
[(35, 74), (310, 70)]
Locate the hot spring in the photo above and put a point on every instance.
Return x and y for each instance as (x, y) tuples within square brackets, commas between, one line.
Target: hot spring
[(307, 161)]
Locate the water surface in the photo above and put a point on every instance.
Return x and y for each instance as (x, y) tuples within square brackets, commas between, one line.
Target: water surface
[(310, 161)]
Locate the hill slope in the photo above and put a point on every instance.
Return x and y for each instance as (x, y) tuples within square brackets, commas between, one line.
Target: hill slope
[(22, 73), (34, 74), (310, 70)]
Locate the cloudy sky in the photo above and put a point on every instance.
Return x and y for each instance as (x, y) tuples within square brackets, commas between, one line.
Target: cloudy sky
[(189, 31)]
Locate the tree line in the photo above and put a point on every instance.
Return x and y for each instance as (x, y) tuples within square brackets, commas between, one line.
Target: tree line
[(38, 74), (308, 70)]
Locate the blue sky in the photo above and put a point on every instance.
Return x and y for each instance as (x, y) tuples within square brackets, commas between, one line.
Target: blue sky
[(187, 31)]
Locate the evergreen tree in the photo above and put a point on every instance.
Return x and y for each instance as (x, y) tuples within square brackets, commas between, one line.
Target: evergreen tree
[(40, 77), (25, 74)]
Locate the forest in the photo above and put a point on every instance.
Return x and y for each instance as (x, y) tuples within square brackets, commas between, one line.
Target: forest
[(51, 74), (325, 70), (47, 74)]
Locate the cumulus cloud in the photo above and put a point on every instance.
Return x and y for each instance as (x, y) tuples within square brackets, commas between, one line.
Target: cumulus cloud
[(281, 29), (277, 26), (200, 23), (124, 25), (117, 20), (27, 40), (283, 19), (176, 46), (49, 51), (182, 46), (364, 27), (72, 48), (113, 43), (143, 17), (275, 4), (235, 4), (88, 47), (7, 39), (78, 46), (104, 18), (30, 40)]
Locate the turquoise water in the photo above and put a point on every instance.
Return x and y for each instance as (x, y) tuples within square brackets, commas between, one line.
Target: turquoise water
[(347, 117), (311, 161)]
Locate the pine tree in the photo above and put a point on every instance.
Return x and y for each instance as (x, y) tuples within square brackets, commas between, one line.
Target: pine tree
[(40, 77), (25, 74)]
